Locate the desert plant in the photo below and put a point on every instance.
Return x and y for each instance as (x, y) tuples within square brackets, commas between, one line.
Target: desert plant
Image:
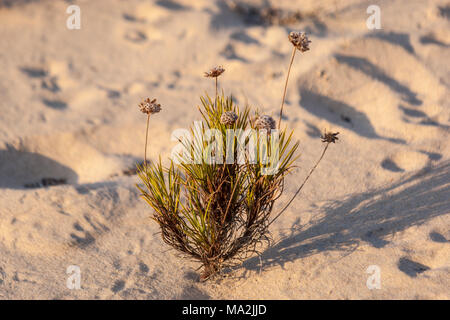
[(213, 209)]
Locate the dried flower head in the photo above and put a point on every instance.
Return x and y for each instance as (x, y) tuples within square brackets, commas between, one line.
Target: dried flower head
[(265, 123), (228, 117), (329, 137), (215, 72), (149, 106), (299, 40)]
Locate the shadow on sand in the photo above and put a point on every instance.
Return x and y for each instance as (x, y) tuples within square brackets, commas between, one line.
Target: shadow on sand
[(21, 168), (340, 113), (368, 217), (10, 3), (376, 73)]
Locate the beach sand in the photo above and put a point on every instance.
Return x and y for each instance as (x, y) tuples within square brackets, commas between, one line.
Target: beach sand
[(68, 110)]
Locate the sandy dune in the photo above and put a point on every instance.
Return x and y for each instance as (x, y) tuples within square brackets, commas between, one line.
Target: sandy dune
[(68, 111)]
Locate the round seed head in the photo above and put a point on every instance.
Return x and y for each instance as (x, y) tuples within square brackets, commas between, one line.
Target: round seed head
[(215, 72), (299, 40), (329, 137), (265, 123), (149, 106), (228, 118)]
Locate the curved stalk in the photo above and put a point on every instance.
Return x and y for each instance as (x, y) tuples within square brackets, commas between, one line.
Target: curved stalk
[(301, 186), (146, 138), (285, 86)]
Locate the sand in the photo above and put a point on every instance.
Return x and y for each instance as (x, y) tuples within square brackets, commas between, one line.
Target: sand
[(68, 110)]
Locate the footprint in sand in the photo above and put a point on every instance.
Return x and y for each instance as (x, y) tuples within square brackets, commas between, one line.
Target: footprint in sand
[(193, 293), (118, 286), (411, 268), (60, 74), (53, 75), (48, 82), (49, 159), (81, 238), (312, 130), (141, 24), (362, 64), (172, 5), (34, 278), (34, 72), (54, 78), (339, 112), (375, 237), (143, 268), (84, 236), (444, 11), (437, 237), (405, 161), (136, 36), (2, 276), (21, 168), (229, 52), (55, 104), (137, 279), (390, 165), (413, 113), (415, 116), (132, 18), (433, 39)]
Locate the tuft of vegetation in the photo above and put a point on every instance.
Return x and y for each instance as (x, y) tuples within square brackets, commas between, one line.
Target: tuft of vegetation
[(214, 200), (218, 213)]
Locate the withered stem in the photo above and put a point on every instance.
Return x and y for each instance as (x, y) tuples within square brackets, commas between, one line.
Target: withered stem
[(301, 187), (215, 100), (285, 86), (146, 138)]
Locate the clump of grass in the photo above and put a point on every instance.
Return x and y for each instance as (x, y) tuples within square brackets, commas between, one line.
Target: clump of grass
[(211, 209)]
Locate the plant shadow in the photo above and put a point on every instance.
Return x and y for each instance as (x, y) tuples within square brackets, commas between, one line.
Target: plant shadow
[(369, 217)]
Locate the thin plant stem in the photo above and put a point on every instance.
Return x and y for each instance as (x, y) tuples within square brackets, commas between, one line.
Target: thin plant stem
[(215, 100), (285, 85), (301, 186), (146, 138)]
